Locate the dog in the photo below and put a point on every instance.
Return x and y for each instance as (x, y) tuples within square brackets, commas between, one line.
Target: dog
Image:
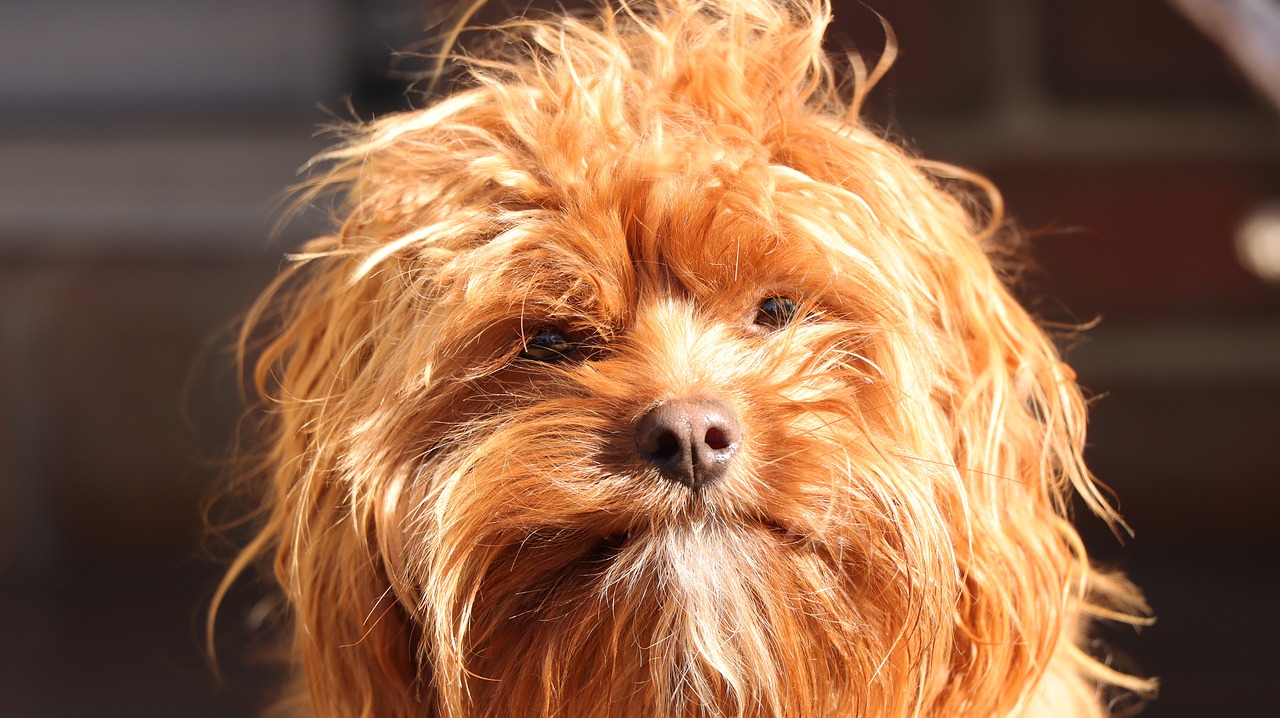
[(641, 377)]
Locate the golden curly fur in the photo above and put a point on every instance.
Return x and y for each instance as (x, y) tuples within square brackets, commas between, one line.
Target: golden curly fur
[(671, 201)]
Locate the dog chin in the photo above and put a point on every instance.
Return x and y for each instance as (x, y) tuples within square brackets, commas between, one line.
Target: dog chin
[(701, 617)]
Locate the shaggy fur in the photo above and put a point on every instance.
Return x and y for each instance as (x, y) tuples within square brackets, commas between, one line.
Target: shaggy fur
[(671, 201)]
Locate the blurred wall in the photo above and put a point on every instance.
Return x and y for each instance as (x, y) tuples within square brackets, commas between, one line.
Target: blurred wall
[(144, 146)]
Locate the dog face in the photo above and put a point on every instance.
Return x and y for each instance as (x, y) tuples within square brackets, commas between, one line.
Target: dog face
[(642, 380)]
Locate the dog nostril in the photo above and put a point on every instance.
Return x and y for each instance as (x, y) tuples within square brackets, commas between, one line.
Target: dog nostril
[(691, 441), (667, 447), (715, 439)]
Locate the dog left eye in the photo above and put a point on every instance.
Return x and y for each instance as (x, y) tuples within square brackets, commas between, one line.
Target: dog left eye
[(548, 345), (776, 312)]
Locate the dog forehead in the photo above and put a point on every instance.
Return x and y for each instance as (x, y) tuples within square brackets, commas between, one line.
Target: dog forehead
[(721, 222), (688, 237)]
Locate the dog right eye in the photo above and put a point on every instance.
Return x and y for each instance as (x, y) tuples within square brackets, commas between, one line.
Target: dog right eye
[(548, 345)]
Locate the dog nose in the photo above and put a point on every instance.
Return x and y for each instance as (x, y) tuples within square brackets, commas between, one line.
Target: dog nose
[(690, 440)]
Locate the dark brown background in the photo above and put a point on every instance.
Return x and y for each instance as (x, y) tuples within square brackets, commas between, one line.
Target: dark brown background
[(143, 143)]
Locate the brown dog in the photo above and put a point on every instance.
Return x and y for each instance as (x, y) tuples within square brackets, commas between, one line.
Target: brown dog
[(642, 379)]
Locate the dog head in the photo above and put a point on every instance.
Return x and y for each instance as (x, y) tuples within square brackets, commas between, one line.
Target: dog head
[(642, 378)]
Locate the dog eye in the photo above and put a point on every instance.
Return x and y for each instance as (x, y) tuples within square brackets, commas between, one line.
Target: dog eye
[(776, 312), (548, 345)]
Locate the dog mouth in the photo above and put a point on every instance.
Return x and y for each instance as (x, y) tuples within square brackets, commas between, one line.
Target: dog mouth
[(608, 547)]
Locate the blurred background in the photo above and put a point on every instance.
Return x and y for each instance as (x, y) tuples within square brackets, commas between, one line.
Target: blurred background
[(144, 147)]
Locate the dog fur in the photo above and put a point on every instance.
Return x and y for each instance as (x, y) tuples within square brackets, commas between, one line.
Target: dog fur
[(671, 203)]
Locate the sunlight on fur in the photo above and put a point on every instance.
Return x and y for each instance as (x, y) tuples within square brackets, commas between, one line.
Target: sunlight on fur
[(642, 378)]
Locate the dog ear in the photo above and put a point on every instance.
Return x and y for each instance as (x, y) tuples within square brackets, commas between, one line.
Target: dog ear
[(353, 635), (1009, 415), (1016, 418)]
